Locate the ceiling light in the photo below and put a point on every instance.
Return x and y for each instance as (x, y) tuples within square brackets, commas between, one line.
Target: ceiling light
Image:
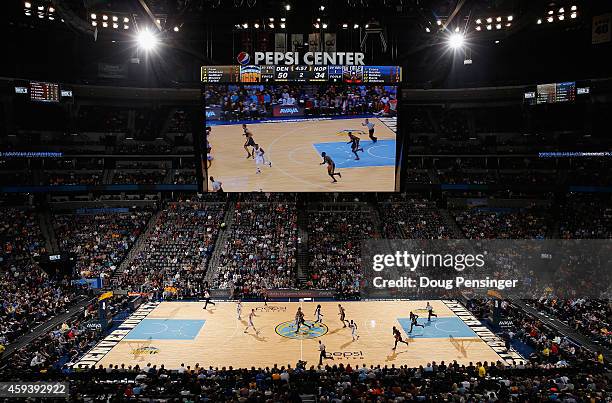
[(574, 8), (561, 17), (510, 18), (27, 4), (105, 24), (282, 25), (573, 15), (115, 25), (115, 18), (324, 26), (498, 26), (93, 16), (489, 27), (176, 29), (478, 21), (489, 20), (105, 17), (478, 28), (256, 25)]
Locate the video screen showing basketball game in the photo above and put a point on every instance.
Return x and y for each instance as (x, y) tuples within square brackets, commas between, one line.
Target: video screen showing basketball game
[(300, 138)]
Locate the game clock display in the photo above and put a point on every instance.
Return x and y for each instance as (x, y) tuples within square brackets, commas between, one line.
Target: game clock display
[(301, 73)]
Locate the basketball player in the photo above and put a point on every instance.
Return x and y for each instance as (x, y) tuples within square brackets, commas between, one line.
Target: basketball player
[(331, 166), (260, 159), (430, 312), (207, 298), (353, 326), (318, 314), (216, 185), (398, 338), (354, 145), (413, 321), (239, 309), (370, 126), (249, 141), (299, 320), (251, 316), (342, 314)]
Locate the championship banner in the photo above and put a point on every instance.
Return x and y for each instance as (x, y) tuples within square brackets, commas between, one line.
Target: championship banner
[(263, 42), (297, 41), (330, 43), (602, 29), (314, 42), (287, 110), (280, 42)]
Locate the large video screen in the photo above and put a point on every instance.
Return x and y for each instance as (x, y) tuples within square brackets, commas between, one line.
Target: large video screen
[(300, 137)]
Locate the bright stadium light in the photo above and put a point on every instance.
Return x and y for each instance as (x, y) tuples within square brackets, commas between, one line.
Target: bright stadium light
[(27, 4), (147, 40), (282, 25), (324, 26), (93, 16), (456, 41)]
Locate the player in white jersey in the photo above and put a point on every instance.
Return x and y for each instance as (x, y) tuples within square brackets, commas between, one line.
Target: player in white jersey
[(353, 326), (318, 315), (370, 127), (239, 309), (260, 158), (250, 320)]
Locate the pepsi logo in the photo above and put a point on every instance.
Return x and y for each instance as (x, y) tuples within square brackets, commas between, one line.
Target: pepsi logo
[(243, 58)]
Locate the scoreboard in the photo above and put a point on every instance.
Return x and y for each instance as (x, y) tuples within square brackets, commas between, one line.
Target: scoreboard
[(302, 73), (44, 92), (556, 93)]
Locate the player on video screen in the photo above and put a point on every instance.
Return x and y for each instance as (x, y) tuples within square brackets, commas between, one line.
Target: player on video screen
[(354, 142), (260, 158), (331, 167), (250, 142)]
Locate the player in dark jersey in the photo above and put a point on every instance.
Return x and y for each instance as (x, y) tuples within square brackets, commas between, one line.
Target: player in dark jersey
[(398, 337), (250, 142), (331, 166), (342, 314), (413, 321), (299, 320), (354, 145)]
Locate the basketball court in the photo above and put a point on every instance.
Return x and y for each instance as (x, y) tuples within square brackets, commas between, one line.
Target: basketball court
[(294, 148), (175, 333)]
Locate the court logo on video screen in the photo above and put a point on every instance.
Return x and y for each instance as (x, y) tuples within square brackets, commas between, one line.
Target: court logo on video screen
[(289, 330)]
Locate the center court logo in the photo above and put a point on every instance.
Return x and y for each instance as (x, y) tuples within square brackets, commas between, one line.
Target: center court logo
[(288, 329), (243, 58)]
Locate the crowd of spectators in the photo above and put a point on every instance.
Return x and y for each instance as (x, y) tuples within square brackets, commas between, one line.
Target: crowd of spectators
[(28, 295), (413, 217), (489, 223), (261, 250), (586, 217), (99, 240), (54, 351), (591, 317), (334, 243), (174, 259), (58, 178), (140, 177), (256, 101), (185, 176)]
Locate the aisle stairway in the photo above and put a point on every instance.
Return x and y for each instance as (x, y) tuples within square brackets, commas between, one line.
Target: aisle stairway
[(139, 244), (222, 238)]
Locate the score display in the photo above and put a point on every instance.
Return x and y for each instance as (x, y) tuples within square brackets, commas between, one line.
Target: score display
[(44, 92), (556, 93), (302, 73)]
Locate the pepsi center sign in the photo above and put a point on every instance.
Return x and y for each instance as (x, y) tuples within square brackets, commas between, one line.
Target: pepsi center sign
[(308, 59), (316, 67)]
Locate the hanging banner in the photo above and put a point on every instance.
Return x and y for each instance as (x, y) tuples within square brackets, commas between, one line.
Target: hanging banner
[(314, 42), (280, 42), (297, 41), (263, 42), (602, 29), (330, 43)]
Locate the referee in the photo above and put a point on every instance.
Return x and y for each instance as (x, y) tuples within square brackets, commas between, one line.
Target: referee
[(322, 353), (370, 126)]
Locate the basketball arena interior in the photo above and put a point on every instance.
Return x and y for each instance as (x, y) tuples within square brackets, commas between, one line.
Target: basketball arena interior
[(306, 201)]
